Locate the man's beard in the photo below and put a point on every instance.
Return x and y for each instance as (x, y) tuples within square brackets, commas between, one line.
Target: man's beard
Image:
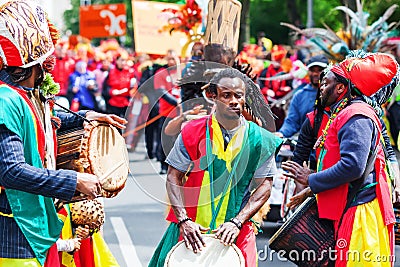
[(324, 100), (39, 80)]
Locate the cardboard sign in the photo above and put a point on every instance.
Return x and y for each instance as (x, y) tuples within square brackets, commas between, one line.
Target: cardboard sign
[(102, 20), (147, 21)]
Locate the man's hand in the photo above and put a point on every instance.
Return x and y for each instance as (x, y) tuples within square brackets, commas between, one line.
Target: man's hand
[(88, 184), (107, 118), (394, 167), (227, 233), (77, 243), (191, 233), (296, 172), (82, 232), (279, 134), (299, 198), (396, 194), (197, 110), (116, 92)]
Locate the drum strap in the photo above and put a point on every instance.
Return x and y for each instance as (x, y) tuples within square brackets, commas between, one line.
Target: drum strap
[(353, 192)]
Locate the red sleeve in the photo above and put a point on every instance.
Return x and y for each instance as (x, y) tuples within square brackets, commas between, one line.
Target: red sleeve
[(160, 79)]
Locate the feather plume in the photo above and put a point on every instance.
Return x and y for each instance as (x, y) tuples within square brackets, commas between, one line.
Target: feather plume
[(389, 12), (350, 13), (357, 35)]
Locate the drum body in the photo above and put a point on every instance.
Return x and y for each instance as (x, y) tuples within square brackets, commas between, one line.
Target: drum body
[(69, 150), (306, 239), (97, 149), (213, 254)]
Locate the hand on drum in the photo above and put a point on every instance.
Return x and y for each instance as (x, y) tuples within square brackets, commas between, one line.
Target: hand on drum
[(88, 184), (296, 172), (107, 118), (191, 233), (299, 198), (227, 233)]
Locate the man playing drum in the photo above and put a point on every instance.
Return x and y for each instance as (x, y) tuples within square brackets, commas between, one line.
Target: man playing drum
[(351, 183), (220, 173), (28, 181)]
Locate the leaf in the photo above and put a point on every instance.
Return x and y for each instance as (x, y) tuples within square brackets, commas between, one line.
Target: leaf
[(48, 86)]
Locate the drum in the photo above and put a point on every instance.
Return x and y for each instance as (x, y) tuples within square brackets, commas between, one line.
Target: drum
[(396, 209), (97, 149), (213, 254), (305, 238)]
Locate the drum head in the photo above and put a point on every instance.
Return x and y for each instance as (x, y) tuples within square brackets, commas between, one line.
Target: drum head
[(106, 150), (214, 254)]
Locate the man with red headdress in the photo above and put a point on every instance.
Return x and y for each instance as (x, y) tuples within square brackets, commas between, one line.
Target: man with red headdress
[(351, 183)]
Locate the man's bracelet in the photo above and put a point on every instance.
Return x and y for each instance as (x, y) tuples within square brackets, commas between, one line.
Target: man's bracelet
[(236, 222), (182, 221)]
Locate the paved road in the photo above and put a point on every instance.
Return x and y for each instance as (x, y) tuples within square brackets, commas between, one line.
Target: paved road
[(135, 218)]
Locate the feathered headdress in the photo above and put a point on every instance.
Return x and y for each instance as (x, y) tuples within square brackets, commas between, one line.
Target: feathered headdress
[(357, 35)]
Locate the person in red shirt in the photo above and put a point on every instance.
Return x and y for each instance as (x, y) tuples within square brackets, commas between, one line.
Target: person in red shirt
[(169, 95), (63, 68), (118, 86), (275, 89)]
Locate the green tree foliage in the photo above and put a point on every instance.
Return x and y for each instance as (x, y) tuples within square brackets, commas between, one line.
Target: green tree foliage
[(267, 14), (265, 17)]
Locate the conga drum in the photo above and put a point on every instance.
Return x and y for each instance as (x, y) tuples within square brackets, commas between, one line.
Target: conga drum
[(213, 254), (97, 149), (305, 238)]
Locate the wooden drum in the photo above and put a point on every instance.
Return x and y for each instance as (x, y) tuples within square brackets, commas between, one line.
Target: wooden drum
[(213, 254), (306, 235), (97, 149)]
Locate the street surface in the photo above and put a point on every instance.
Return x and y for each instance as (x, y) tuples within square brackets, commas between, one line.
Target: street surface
[(135, 219)]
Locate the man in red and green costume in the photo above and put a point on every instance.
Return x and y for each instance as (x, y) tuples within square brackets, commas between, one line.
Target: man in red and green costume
[(211, 168), (28, 179), (356, 198)]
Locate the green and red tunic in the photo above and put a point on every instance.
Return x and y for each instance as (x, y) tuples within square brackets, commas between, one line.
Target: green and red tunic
[(218, 184)]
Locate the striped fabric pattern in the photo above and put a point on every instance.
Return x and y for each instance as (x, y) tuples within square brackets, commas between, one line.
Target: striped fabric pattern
[(21, 154)]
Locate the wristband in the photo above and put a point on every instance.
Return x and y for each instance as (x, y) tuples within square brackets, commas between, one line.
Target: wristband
[(182, 221), (236, 222)]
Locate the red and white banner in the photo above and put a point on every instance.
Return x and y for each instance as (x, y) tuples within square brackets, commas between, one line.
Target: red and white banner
[(102, 20)]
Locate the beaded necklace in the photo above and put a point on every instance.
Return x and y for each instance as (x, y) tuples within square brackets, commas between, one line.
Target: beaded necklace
[(339, 108)]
